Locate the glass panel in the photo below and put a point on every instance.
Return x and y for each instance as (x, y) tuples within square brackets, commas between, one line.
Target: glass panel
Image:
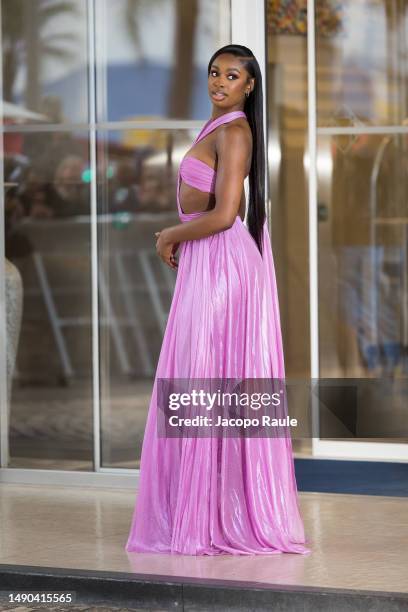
[(362, 243), (153, 56), (44, 48), (136, 199), (362, 48), (287, 139), (47, 244), (362, 192), (363, 271)]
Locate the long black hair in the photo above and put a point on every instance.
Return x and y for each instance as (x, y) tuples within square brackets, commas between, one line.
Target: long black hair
[(254, 111)]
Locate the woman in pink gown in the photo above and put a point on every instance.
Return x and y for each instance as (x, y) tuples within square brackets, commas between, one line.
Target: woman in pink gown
[(220, 495)]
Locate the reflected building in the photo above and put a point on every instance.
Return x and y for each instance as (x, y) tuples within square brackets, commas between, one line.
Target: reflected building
[(101, 101)]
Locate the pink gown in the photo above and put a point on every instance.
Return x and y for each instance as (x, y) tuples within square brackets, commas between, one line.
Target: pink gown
[(211, 496)]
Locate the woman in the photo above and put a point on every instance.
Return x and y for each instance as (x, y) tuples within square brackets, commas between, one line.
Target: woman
[(220, 495)]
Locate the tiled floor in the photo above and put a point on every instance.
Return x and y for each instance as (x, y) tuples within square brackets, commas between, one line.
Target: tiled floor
[(357, 541)]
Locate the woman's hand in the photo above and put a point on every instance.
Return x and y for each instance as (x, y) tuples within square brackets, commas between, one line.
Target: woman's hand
[(166, 249)]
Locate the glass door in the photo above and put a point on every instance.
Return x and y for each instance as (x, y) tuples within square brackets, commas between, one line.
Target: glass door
[(46, 398), (358, 222), (99, 100)]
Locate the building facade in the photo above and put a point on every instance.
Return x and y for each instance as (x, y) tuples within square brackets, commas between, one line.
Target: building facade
[(101, 100)]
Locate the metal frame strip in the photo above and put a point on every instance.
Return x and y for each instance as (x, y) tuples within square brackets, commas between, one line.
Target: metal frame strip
[(4, 425), (94, 234)]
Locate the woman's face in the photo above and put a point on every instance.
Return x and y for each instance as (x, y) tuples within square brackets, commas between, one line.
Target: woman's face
[(228, 81)]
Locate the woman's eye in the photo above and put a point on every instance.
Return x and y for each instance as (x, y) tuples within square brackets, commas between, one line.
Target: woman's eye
[(214, 73)]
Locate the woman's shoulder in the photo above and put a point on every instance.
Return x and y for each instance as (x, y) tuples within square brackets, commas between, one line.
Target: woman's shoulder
[(236, 133)]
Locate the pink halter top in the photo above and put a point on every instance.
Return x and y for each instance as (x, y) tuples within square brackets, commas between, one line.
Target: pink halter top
[(197, 173)]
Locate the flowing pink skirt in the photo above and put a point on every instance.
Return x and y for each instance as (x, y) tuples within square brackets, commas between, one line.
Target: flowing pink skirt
[(210, 496)]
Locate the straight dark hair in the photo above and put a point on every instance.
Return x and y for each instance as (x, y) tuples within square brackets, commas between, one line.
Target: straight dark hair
[(254, 111)]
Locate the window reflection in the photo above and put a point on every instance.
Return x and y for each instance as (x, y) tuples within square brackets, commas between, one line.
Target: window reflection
[(362, 213), (139, 170), (157, 67), (137, 197), (368, 234), (287, 138), (44, 61), (50, 171), (47, 232), (150, 64), (361, 62)]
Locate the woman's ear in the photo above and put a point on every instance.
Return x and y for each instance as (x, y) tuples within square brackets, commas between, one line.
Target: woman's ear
[(252, 81)]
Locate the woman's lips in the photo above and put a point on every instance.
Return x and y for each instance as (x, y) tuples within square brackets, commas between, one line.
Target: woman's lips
[(218, 95)]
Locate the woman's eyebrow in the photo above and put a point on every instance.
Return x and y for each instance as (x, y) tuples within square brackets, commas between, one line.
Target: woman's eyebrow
[(230, 68)]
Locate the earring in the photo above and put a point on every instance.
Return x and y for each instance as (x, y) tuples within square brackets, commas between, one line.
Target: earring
[(247, 94)]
